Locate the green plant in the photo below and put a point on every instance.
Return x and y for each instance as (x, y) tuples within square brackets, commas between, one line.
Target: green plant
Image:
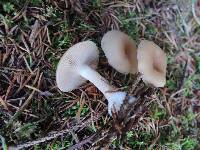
[(71, 112), (36, 2), (151, 30), (24, 131), (57, 145), (8, 7), (129, 25), (157, 112), (7, 20), (171, 84), (189, 144)]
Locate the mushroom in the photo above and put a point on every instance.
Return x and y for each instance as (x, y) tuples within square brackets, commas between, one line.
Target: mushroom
[(120, 51), (77, 65), (152, 63)]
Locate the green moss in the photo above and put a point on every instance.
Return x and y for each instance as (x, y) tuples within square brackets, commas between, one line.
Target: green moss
[(96, 3), (157, 113), (189, 144), (8, 7), (6, 20), (187, 120), (151, 30), (57, 145), (182, 144), (130, 26), (171, 84), (36, 3), (138, 142), (193, 81), (25, 131), (71, 112)]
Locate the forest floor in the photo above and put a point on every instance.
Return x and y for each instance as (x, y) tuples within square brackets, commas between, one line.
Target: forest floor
[(35, 114)]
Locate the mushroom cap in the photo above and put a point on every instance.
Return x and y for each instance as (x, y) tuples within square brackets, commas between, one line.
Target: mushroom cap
[(120, 51), (152, 63), (80, 54)]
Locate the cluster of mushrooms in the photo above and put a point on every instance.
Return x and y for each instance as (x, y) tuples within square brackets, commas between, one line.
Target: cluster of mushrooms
[(79, 62)]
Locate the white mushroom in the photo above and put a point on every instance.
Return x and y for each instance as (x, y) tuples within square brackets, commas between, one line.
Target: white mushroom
[(77, 65), (148, 59), (152, 63), (120, 51)]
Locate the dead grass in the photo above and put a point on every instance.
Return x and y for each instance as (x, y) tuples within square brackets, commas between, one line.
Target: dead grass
[(33, 111)]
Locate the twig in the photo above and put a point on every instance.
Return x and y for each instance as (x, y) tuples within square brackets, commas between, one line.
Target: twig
[(85, 141), (27, 65), (22, 108), (26, 112), (3, 103), (51, 136), (183, 75), (33, 32)]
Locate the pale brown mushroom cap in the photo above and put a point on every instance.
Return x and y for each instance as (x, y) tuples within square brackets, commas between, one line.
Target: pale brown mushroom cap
[(82, 53), (120, 51), (152, 63)]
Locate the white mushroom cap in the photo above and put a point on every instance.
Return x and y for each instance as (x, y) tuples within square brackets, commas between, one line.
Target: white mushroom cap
[(83, 53), (120, 51), (152, 63)]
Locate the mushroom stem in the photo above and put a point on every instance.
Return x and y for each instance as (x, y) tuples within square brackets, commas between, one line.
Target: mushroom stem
[(114, 98), (94, 77)]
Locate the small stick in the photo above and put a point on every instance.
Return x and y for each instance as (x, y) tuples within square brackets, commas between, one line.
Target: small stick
[(22, 108), (81, 143), (51, 136)]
